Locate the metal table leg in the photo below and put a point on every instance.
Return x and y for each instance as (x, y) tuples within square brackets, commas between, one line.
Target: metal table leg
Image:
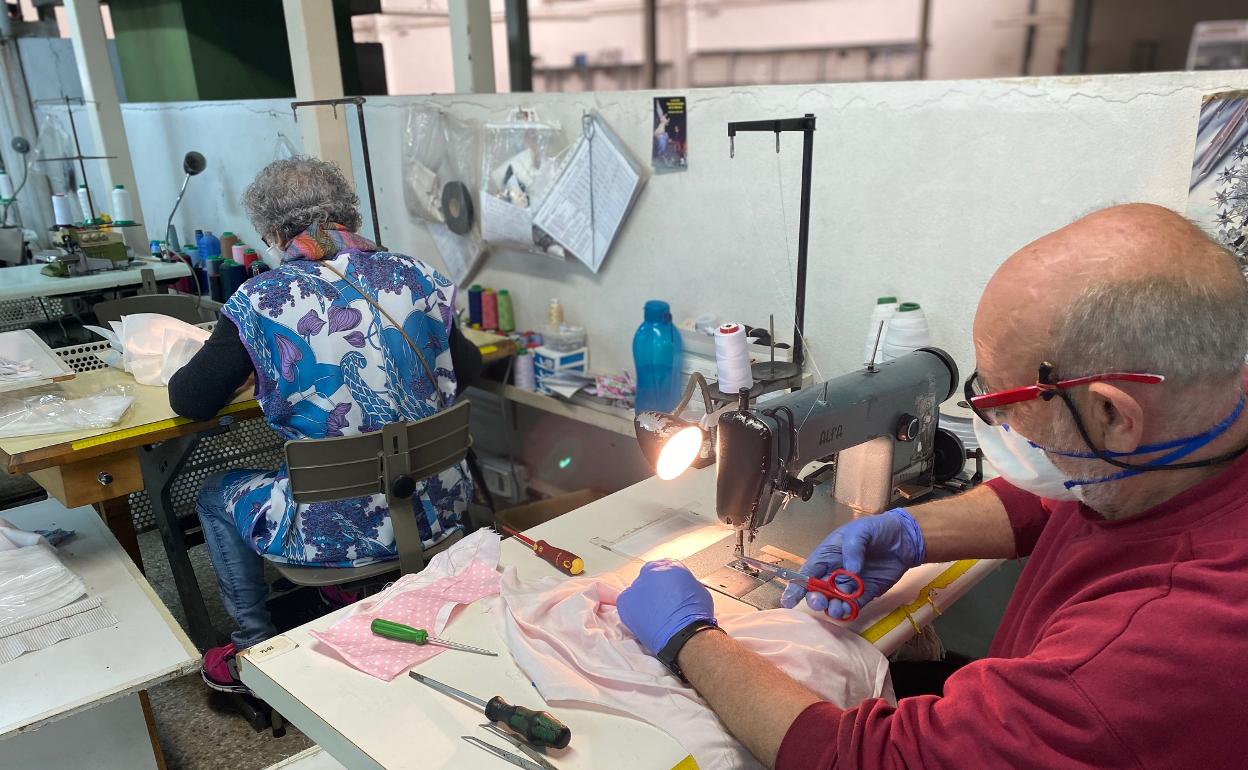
[(160, 464)]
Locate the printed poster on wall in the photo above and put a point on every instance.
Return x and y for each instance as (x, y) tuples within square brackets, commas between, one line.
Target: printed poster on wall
[(669, 149), (1217, 197)]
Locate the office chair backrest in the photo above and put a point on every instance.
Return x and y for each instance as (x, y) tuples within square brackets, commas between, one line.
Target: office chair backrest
[(390, 461)]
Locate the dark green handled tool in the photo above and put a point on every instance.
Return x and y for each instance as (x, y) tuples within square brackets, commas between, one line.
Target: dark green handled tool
[(402, 633), (537, 727)]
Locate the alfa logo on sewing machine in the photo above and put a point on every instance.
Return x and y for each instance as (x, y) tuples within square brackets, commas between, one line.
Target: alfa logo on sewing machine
[(830, 435)]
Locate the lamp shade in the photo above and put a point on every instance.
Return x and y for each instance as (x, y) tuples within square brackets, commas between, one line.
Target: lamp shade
[(193, 163), (672, 445)]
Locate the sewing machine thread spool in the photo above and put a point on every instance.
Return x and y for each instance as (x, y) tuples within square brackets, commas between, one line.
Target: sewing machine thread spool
[(123, 208), (62, 213), (489, 309), (238, 252), (732, 358), (213, 266), (250, 257), (84, 202), (506, 315), (474, 305), (525, 375), (232, 276), (6, 185)]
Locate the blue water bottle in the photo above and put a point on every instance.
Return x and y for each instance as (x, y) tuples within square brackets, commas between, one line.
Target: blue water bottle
[(657, 354), (213, 244)]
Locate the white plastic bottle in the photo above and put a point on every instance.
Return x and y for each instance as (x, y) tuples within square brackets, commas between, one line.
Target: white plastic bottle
[(884, 309), (123, 209)]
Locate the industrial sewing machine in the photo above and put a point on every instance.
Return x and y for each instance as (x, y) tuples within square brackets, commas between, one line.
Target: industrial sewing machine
[(81, 250), (878, 424), (872, 433)]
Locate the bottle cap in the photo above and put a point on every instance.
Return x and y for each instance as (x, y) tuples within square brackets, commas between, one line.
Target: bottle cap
[(657, 311), (906, 307), (886, 301)]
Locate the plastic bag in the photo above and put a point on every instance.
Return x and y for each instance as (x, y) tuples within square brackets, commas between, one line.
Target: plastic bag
[(32, 579), (438, 150), (151, 346), (441, 161), (519, 163), (50, 411)]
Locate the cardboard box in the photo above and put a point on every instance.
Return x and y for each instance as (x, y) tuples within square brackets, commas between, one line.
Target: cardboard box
[(529, 515)]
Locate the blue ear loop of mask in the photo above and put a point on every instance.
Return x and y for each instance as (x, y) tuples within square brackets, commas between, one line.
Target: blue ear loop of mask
[(1182, 448)]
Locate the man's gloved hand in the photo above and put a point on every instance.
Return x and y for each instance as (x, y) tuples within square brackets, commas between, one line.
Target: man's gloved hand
[(663, 599), (878, 549)]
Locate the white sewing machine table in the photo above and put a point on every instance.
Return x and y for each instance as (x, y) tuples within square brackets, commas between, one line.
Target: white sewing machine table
[(364, 722), (81, 702)]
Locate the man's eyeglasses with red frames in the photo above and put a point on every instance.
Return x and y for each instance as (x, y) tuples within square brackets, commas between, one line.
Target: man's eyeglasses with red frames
[(985, 403)]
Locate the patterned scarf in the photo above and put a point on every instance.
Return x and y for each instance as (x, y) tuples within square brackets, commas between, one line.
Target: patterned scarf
[(325, 240)]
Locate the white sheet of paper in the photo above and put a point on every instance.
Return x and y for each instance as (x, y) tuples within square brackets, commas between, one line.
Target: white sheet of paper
[(503, 223), (587, 205), (460, 253)]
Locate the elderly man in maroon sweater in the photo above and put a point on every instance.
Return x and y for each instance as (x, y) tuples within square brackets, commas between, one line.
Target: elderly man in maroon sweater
[(1126, 641)]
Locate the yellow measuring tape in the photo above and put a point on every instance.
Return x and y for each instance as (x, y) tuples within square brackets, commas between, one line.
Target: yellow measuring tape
[(152, 427), (903, 613)]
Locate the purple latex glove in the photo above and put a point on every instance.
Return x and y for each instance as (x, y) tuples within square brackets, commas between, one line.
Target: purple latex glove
[(663, 599), (878, 549)]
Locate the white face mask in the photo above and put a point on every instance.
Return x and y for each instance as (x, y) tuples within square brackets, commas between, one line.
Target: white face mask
[(273, 256), (1021, 463)]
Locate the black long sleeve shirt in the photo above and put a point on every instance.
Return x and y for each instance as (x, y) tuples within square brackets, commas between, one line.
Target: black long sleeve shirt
[(209, 380)]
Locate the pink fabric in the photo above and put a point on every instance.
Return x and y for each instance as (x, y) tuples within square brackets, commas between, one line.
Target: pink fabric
[(465, 573)]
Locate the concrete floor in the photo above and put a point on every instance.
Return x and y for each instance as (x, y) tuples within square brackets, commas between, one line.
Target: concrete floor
[(196, 730)]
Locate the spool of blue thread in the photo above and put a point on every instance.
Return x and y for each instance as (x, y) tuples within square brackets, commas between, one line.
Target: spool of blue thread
[(474, 305), (232, 276)]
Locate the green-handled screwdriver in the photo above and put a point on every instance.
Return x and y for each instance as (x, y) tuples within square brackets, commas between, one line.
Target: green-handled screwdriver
[(402, 633), (539, 728)]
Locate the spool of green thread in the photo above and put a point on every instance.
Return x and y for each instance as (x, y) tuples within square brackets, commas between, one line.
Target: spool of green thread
[(506, 317)]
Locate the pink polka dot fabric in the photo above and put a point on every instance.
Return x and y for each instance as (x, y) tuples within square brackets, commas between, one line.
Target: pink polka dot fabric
[(420, 607)]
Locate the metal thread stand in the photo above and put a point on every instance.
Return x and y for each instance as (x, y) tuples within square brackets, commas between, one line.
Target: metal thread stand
[(358, 101), (807, 126)]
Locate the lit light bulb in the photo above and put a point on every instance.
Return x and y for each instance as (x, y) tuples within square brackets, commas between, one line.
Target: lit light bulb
[(679, 453)]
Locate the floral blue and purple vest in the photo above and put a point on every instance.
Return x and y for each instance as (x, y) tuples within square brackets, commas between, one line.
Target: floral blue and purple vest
[(329, 364)]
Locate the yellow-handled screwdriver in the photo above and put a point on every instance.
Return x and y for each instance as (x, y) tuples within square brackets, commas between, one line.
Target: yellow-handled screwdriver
[(402, 633)]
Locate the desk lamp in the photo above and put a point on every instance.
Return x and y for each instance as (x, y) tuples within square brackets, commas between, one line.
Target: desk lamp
[(672, 444), (193, 163), (20, 145)]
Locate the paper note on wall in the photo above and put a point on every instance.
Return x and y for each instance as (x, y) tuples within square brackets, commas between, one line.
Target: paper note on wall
[(587, 205)]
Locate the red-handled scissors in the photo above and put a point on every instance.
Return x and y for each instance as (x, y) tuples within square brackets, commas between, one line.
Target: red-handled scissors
[(825, 586)]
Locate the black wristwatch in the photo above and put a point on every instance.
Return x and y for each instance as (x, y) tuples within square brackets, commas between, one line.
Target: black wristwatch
[(667, 656)]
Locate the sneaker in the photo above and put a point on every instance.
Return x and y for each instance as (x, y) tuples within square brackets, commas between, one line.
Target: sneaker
[(220, 671), (335, 597)]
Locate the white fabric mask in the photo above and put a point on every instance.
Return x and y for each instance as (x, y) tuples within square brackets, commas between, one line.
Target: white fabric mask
[(1021, 463)]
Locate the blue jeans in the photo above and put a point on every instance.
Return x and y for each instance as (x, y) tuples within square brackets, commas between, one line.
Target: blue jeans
[(240, 570)]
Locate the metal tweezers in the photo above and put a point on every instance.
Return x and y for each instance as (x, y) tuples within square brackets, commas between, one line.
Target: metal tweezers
[(503, 754)]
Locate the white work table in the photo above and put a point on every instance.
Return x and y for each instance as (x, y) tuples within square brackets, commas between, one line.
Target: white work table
[(91, 682), (367, 723), (26, 281)]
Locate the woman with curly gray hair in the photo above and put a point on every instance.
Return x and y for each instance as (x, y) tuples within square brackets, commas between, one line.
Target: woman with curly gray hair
[(342, 338)]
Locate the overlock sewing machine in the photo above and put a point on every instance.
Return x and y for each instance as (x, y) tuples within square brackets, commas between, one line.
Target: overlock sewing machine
[(82, 250)]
